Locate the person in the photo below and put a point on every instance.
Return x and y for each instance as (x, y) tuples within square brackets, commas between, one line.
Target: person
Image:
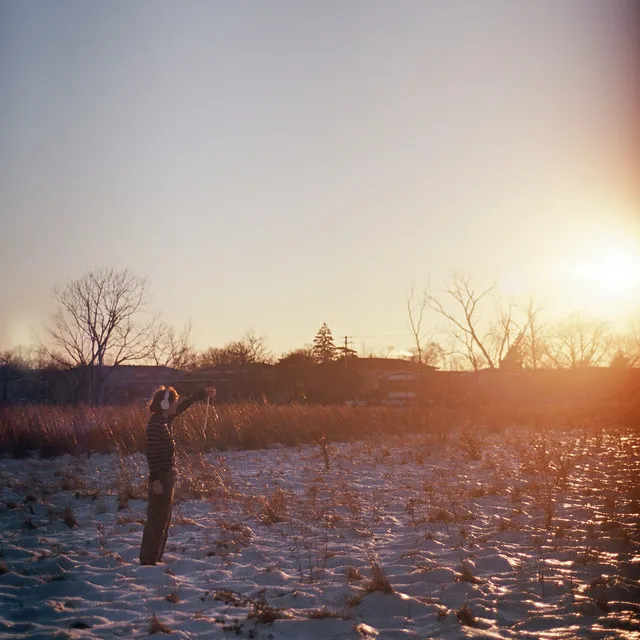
[(164, 408)]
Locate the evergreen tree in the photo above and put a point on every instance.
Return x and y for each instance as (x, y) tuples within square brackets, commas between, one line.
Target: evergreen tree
[(324, 350), (619, 361), (514, 359)]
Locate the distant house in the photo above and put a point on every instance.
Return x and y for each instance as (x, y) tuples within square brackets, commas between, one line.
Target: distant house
[(121, 384), (19, 385), (233, 382), (390, 380), (356, 381), (136, 383), (188, 382)]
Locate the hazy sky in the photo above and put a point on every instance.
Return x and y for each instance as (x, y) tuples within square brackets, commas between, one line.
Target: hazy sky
[(272, 165)]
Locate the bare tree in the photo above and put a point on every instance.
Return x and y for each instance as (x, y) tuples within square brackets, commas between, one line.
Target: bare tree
[(504, 338), (214, 357), (300, 356), (22, 357), (425, 350), (465, 322), (431, 354), (578, 342), (173, 350), (485, 331), (254, 348), (634, 338), (531, 341), (627, 347), (250, 349), (102, 319)]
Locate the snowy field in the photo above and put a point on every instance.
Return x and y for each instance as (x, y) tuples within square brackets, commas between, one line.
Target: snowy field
[(507, 534)]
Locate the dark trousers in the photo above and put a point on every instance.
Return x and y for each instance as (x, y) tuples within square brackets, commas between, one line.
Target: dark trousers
[(156, 529)]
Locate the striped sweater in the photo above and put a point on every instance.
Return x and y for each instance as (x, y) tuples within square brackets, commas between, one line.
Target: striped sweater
[(160, 443)]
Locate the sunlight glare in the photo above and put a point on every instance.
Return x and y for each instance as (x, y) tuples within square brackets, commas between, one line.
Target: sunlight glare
[(604, 278), (615, 272)]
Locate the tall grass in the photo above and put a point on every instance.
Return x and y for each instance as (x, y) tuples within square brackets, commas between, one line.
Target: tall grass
[(50, 430)]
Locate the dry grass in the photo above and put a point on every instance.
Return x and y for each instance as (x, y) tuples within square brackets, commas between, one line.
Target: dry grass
[(539, 464), (273, 507), (155, 626), (200, 478), (379, 580), (465, 616), (465, 575), (50, 430), (69, 518), (354, 574)]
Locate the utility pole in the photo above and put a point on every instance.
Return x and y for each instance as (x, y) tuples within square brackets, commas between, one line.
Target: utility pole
[(347, 340)]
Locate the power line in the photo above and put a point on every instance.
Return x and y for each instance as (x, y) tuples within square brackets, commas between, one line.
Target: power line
[(348, 340), (386, 335)]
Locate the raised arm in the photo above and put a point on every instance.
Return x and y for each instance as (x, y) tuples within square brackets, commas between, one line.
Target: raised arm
[(199, 395)]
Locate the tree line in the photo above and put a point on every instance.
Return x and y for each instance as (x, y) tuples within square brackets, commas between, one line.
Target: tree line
[(482, 331), (105, 319)]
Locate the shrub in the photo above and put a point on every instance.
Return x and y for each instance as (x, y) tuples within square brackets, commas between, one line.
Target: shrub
[(273, 507), (69, 518), (465, 616), (379, 580), (155, 626)]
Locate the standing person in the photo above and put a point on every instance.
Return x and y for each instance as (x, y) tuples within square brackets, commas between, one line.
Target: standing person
[(164, 408)]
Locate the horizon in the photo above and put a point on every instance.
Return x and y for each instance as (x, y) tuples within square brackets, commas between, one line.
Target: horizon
[(271, 169)]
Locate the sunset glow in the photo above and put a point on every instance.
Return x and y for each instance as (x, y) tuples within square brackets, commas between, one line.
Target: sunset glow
[(604, 279), (380, 262), (306, 162), (616, 274)]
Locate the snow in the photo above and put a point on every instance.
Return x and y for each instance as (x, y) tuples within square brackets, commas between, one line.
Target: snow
[(536, 536)]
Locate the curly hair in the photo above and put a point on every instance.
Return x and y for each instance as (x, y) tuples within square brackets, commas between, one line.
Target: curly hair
[(158, 397)]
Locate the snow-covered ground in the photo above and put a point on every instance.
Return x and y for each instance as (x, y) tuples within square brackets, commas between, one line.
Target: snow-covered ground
[(493, 535)]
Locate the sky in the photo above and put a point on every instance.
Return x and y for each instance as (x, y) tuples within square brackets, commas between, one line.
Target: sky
[(274, 165)]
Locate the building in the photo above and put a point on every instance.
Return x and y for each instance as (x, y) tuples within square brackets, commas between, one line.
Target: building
[(391, 381)]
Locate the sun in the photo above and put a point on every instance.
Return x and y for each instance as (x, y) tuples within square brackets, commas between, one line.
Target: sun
[(604, 281), (613, 271)]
